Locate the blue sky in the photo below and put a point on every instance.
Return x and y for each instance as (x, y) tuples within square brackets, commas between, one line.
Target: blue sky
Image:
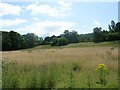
[(52, 18)]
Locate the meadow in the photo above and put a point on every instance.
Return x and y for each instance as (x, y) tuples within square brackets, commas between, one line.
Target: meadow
[(71, 66)]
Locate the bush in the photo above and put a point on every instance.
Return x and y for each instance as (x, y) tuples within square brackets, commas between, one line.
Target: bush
[(62, 41), (54, 42), (59, 42)]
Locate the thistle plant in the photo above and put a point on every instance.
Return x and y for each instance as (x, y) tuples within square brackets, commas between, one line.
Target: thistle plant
[(102, 72)]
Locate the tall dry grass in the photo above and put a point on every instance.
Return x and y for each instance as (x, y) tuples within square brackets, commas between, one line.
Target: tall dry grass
[(65, 67)]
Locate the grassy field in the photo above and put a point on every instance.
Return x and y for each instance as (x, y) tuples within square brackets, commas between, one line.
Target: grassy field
[(71, 66)]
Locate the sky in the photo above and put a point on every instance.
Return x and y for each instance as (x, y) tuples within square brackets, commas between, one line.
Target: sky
[(52, 18)]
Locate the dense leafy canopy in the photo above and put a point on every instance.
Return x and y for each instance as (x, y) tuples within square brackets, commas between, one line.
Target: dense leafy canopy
[(59, 42), (72, 37), (111, 35), (14, 41)]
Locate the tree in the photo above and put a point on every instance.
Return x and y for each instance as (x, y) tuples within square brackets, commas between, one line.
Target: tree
[(112, 26), (6, 42), (12, 41), (118, 27), (86, 37), (113, 36), (31, 40), (16, 40), (114, 31), (62, 41), (72, 37), (104, 35), (54, 42), (59, 42), (97, 34), (48, 40), (40, 42)]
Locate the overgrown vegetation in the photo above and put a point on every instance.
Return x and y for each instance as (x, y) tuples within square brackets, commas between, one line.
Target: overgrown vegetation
[(61, 68), (102, 72), (70, 66)]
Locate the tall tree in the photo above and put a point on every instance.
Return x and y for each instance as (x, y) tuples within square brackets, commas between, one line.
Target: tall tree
[(48, 39), (118, 27), (31, 40), (6, 42), (112, 26), (97, 34), (16, 40), (86, 37), (72, 37)]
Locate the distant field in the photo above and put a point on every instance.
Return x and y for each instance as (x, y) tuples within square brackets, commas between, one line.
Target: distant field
[(71, 66)]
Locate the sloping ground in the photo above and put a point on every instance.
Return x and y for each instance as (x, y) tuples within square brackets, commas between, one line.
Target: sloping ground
[(57, 67), (82, 44)]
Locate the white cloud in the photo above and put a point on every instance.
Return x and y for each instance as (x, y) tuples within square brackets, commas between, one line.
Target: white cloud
[(61, 11), (6, 9), (65, 4), (35, 18), (7, 22), (97, 23), (48, 28), (84, 26)]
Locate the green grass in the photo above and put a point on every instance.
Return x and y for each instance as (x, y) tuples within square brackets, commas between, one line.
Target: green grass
[(92, 44), (63, 68), (82, 44), (53, 75)]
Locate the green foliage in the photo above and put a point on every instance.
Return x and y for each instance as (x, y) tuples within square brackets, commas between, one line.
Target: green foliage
[(72, 37), (48, 40), (111, 35), (97, 34), (6, 42), (62, 41), (59, 42), (31, 40), (54, 42), (14, 41), (112, 27), (86, 37), (117, 29)]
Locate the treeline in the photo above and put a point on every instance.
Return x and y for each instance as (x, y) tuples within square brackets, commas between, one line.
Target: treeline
[(98, 35), (68, 37), (113, 34), (15, 41)]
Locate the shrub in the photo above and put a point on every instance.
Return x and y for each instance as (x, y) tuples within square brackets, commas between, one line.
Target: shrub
[(54, 42), (59, 42), (62, 42)]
